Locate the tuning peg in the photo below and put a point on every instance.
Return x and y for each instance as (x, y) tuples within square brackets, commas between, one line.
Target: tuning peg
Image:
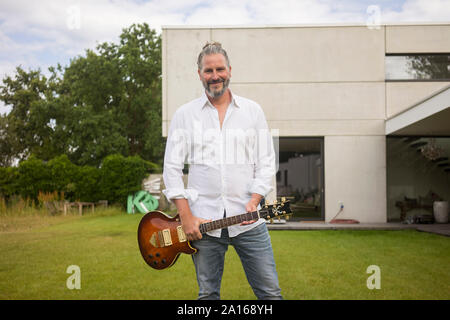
[(266, 202), (275, 202), (287, 217), (283, 199), (279, 218)]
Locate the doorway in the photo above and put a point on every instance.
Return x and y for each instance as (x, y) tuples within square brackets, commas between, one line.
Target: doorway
[(300, 177)]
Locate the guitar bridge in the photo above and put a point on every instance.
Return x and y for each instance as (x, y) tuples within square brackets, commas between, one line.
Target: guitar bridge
[(153, 240)]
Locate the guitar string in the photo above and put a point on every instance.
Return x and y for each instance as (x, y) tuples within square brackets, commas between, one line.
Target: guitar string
[(222, 223)]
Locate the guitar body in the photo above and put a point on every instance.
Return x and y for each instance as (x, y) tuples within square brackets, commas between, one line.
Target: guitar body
[(161, 240)]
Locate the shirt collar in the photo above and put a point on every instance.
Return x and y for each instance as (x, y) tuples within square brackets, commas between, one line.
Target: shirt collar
[(235, 99)]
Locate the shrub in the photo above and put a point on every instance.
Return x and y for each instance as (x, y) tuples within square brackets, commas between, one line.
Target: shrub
[(87, 184), (33, 176), (35, 180), (8, 181), (122, 176), (63, 175)]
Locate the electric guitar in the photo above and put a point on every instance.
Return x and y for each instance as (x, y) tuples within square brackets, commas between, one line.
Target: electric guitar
[(161, 238)]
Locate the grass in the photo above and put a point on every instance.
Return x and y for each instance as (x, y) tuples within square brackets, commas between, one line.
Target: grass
[(36, 252)]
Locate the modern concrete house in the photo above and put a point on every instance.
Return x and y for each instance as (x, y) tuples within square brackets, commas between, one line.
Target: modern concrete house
[(363, 114)]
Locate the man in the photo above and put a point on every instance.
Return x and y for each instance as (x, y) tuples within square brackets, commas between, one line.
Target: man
[(225, 140)]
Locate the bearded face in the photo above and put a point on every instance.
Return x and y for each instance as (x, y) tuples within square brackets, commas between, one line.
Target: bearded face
[(215, 75)]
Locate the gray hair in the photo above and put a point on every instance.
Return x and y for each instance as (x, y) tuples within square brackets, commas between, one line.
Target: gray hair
[(212, 48)]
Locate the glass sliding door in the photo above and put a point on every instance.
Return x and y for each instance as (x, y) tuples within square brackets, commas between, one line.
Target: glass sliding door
[(300, 176), (418, 173)]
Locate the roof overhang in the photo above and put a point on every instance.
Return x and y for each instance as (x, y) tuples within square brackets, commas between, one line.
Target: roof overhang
[(430, 117)]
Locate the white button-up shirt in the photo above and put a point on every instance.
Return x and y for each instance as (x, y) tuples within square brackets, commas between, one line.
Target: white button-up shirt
[(226, 165)]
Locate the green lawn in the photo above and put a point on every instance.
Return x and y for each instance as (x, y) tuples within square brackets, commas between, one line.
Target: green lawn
[(310, 264)]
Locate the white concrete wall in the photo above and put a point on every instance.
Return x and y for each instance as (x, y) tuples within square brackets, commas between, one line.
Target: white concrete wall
[(400, 96), (418, 38), (309, 54), (355, 174)]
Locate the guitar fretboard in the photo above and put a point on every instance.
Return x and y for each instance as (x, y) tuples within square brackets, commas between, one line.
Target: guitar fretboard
[(229, 221)]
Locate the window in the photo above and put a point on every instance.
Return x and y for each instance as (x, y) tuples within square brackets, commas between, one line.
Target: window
[(417, 67), (418, 173), (301, 178)]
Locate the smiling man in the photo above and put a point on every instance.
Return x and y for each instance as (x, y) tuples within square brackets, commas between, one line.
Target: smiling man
[(225, 140), (215, 74)]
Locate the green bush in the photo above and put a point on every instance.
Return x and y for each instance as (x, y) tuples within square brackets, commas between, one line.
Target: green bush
[(8, 181), (116, 178), (87, 184), (33, 176), (122, 176), (63, 176)]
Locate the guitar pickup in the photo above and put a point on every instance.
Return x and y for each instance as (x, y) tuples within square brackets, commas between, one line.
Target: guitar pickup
[(165, 237), (181, 234)]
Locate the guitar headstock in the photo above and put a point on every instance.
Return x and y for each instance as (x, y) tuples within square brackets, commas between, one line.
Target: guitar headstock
[(276, 210)]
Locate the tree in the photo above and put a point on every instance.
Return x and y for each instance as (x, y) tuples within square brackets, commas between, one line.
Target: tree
[(92, 89), (429, 66), (116, 94), (105, 102), (8, 181), (26, 129), (8, 142), (139, 109)]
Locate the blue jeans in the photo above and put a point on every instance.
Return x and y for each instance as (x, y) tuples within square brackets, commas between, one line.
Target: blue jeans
[(255, 251)]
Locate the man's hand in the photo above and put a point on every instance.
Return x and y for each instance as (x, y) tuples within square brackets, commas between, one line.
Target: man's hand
[(252, 206), (190, 224)]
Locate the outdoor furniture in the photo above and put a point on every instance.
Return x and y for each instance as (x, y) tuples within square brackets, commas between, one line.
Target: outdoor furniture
[(409, 204), (68, 205)]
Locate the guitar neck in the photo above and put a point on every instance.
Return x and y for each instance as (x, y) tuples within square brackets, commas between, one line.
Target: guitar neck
[(229, 221)]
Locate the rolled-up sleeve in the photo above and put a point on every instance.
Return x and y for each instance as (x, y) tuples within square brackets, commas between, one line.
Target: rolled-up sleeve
[(265, 166), (177, 148)]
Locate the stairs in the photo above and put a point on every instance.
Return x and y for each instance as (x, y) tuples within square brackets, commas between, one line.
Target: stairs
[(419, 144)]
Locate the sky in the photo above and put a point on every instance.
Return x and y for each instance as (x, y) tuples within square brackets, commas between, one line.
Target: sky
[(41, 34)]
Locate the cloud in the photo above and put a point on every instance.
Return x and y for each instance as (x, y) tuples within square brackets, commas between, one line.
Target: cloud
[(292, 12), (419, 11)]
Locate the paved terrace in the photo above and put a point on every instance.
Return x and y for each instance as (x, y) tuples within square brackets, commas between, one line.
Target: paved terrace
[(441, 229)]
